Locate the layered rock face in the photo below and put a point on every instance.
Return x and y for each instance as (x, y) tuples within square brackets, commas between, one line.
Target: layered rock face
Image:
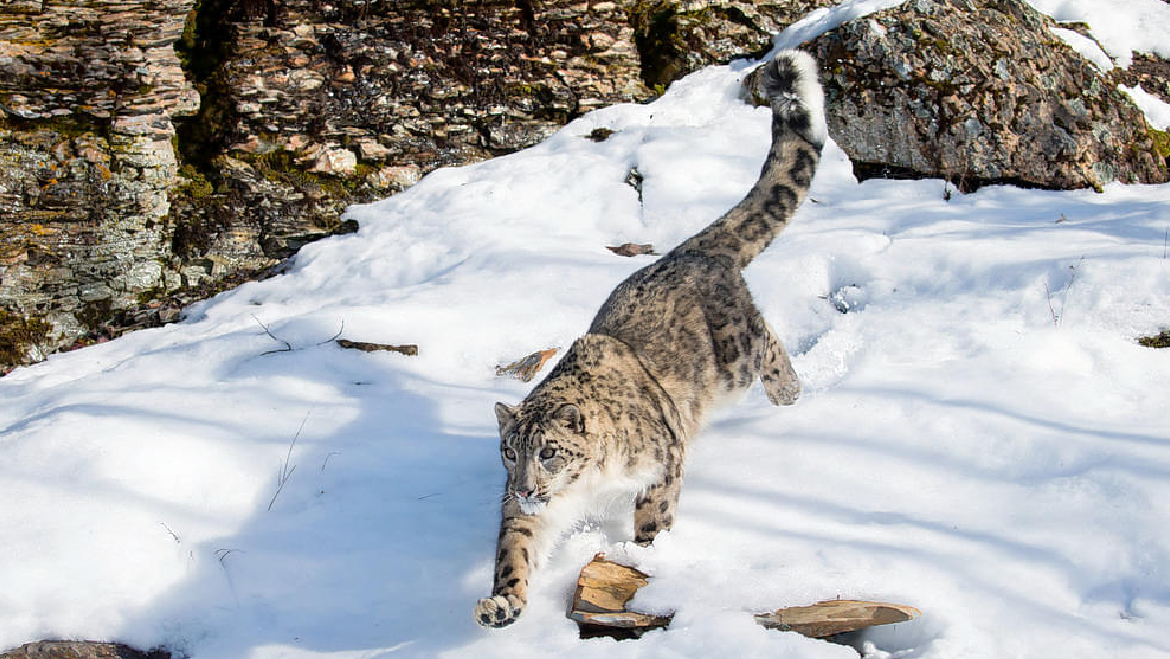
[(88, 91), (978, 91), (310, 106), (124, 196)]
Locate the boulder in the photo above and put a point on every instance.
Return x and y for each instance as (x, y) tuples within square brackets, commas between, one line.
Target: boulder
[(978, 92), (81, 650)]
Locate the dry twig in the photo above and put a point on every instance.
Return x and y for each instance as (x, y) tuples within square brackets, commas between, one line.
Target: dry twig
[(285, 471)]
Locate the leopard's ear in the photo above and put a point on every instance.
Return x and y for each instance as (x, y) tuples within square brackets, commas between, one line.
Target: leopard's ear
[(570, 415), (505, 415)]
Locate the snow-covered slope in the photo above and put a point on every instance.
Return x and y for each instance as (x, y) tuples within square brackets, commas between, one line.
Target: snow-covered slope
[(980, 436)]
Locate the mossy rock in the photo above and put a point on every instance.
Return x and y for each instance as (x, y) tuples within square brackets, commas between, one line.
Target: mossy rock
[(20, 337), (1162, 340), (1161, 141)]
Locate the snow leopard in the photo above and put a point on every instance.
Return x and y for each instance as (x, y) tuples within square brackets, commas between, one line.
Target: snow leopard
[(673, 340)]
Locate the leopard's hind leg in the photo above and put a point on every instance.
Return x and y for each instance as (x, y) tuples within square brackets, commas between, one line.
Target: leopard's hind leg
[(781, 383)]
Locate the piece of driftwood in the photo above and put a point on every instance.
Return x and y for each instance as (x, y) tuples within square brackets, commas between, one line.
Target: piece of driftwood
[(409, 349), (526, 368), (630, 249), (832, 617), (603, 589)]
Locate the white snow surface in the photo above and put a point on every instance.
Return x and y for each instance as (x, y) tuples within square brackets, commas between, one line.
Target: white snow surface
[(1088, 48), (1123, 27), (980, 436), (1156, 110)]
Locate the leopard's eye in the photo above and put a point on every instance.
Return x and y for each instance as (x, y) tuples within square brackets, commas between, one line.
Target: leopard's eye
[(547, 453), (509, 453)]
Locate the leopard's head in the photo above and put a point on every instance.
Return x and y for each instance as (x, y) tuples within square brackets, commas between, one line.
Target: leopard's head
[(540, 445)]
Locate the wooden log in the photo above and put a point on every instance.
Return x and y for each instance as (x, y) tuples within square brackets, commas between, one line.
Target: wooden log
[(831, 617), (408, 349), (603, 589)]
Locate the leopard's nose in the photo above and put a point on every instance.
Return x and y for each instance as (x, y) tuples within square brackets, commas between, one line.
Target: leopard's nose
[(524, 494)]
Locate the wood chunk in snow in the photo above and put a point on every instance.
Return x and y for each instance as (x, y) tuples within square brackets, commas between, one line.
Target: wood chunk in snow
[(630, 249), (526, 368), (603, 589), (80, 650), (835, 617), (406, 348)]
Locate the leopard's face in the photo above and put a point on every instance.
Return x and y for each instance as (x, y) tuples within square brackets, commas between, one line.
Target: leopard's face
[(541, 452)]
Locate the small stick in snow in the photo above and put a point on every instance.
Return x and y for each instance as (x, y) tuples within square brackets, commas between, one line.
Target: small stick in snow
[(327, 456), (287, 346), (1051, 310), (335, 336), (285, 472)]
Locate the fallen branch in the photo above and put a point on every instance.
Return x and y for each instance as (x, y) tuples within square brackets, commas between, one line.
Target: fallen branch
[(287, 346), (409, 349)]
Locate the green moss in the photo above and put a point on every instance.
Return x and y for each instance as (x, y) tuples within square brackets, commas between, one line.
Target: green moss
[(281, 166), (1161, 140), (95, 314), (20, 335), (656, 36), (1162, 340), (194, 183), (151, 294), (70, 126)]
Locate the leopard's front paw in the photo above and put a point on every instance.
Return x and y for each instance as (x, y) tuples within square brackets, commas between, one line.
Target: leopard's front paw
[(498, 610)]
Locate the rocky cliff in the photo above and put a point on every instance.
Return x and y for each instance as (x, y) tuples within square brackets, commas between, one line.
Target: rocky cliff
[(88, 91), (156, 151)]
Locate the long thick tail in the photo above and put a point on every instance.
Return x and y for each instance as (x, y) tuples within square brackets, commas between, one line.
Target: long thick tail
[(798, 134)]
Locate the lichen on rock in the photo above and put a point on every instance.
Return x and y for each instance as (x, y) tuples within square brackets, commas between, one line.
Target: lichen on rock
[(978, 92)]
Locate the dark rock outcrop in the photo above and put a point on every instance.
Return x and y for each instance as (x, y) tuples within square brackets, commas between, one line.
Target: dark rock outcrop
[(81, 650), (978, 91), (122, 196)]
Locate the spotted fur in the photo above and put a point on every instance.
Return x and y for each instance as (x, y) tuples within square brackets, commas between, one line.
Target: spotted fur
[(616, 413)]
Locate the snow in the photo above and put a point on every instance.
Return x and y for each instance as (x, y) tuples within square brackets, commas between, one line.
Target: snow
[(1088, 48), (980, 435), (824, 19), (1156, 110), (1122, 27)]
